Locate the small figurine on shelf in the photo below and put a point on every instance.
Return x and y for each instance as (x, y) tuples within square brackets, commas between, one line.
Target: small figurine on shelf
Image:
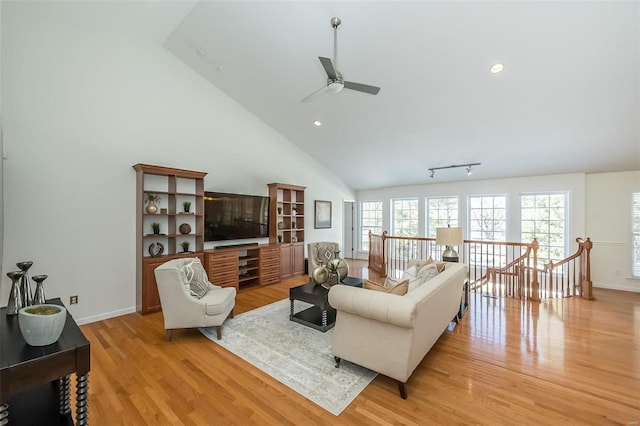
[(187, 206), (156, 227), (152, 203), (279, 238), (279, 209), (294, 208), (185, 246)]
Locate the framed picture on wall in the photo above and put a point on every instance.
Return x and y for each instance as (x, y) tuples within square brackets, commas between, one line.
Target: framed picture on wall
[(322, 214)]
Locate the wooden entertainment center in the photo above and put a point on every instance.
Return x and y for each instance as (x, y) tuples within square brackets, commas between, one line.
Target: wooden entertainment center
[(241, 266)]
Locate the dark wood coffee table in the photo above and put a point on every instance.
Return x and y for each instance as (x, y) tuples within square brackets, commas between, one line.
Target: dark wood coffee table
[(321, 315), (35, 380)]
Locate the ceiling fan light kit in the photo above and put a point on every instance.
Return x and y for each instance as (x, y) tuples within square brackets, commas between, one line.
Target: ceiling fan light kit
[(335, 82)]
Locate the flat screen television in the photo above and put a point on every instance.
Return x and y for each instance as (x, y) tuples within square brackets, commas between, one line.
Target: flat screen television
[(235, 216)]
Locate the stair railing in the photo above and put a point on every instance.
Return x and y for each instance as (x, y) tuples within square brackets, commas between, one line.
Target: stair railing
[(497, 269)]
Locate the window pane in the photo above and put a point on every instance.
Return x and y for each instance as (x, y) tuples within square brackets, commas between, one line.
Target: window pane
[(488, 217), (405, 217), (441, 212), (543, 217), (635, 227), (371, 220)]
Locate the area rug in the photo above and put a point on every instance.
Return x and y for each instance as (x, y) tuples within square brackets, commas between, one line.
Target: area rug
[(295, 355)]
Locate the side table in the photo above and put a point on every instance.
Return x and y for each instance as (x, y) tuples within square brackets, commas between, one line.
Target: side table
[(32, 376)]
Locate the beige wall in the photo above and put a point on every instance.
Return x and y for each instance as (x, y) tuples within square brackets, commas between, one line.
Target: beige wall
[(608, 220)]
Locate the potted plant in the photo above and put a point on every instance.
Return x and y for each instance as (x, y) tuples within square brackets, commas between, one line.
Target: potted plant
[(279, 238), (187, 206), (152, 201), (156, 227), (185, 246)]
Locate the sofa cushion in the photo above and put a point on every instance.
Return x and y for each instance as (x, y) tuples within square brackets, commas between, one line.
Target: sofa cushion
[(391, 286), (219, 301)]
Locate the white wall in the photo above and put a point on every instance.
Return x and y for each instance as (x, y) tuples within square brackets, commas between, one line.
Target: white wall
[(89, 91), (608, 215)]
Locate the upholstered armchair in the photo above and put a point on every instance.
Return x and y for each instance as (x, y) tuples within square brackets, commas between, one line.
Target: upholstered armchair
[(321, 252), (189, 300)]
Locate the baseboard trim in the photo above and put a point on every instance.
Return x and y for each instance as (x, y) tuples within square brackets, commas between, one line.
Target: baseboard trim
[(104, 316), (616, 287)]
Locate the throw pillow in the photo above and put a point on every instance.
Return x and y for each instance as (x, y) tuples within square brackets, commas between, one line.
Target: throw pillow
[(197, 278), (424, 274), (398, 288)]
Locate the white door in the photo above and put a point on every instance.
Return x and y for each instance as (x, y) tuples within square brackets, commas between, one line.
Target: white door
[(348, 250)]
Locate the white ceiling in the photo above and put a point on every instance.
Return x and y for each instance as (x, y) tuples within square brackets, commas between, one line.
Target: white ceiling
[(567, 101)]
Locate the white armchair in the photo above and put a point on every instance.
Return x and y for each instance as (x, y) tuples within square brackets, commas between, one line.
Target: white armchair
[(180, 308)]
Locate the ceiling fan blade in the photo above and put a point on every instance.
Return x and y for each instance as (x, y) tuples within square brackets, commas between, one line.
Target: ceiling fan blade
[(372, 90), (314, 94), (328, 67)]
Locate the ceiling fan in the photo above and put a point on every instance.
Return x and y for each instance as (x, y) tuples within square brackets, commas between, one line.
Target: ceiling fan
[(335, 82)]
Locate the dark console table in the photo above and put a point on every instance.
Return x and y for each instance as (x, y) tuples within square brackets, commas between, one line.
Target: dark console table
[(35, 380)]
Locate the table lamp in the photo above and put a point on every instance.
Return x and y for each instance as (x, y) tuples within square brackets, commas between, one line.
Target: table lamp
[(449, 237)]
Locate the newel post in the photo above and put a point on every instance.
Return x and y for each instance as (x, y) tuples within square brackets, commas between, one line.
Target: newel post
[(535, 286), (587, 285)]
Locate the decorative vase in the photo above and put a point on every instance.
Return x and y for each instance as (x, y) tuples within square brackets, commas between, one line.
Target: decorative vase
[(38, 295), (25, 286), (151, 207), (42, 325), (185, 228), (15, 298), (340, 268), (320, 275)]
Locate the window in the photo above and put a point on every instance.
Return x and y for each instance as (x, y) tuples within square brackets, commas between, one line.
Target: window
[(370, 220), (441, 212), (543, 216), (635, 230), (488, 217), (405, 217)]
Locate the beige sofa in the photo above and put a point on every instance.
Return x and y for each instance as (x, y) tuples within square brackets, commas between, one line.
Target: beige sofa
[(391, 334)]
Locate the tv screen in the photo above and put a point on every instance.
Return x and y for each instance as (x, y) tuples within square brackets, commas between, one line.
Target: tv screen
[(235, 216)]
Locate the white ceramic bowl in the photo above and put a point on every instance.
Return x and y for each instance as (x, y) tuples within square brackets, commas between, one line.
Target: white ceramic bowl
[(42, 329)]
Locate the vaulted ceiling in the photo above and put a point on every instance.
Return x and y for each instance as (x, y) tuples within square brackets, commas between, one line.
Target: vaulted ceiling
[(568, 99)]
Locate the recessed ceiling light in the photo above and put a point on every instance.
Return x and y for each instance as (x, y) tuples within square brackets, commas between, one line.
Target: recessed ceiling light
[(496, 68), (317, 123)]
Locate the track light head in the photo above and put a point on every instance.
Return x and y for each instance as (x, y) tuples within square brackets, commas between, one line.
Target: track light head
[(469, 170), (432, 173)]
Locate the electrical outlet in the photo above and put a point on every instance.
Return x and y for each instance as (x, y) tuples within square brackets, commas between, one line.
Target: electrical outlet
[(73, 300)]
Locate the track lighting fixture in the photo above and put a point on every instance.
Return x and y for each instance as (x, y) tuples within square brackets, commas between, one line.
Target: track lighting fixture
[(432, 170)]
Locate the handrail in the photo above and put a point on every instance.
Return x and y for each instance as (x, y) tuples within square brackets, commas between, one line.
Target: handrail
[(501, 268)]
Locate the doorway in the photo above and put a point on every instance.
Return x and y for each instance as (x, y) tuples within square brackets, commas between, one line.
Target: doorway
[(349, 237)]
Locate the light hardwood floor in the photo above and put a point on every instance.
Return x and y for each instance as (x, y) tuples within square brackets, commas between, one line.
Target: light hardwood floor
[(508, 362)]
